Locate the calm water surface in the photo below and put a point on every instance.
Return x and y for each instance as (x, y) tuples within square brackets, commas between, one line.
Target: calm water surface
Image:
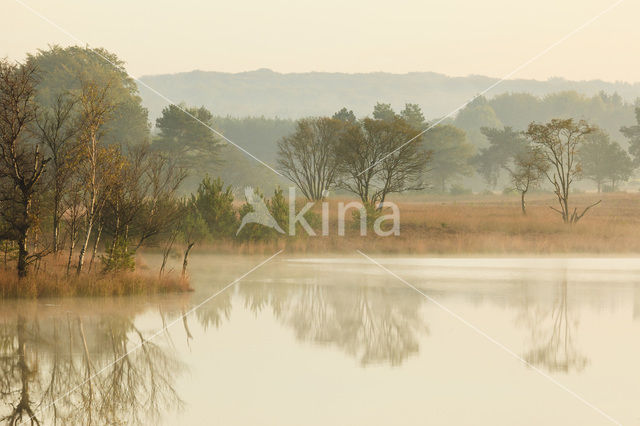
[(337, 341)]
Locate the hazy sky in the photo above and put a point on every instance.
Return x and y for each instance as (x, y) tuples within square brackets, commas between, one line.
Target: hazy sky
[(455, 37)]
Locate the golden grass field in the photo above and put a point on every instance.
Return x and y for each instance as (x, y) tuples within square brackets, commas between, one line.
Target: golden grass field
[(480, 225)]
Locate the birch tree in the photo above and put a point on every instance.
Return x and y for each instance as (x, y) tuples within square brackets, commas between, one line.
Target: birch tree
[(97, 163)]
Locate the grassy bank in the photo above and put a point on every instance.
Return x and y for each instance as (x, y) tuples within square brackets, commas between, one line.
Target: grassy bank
[(477, 225), (55, 282)]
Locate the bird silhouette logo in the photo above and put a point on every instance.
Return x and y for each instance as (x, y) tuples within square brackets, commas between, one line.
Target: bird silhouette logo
[(260, 213)]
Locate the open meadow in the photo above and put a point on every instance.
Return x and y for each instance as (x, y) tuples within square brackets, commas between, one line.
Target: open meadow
[(475, 225)]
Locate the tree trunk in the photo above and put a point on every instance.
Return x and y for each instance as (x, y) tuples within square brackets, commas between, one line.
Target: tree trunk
[(166, 252), (72, 245), (522, 203), (116, 234), (83, 249), (56, 230), (185, 260), (22, 237), (95, 245), (22, 255)]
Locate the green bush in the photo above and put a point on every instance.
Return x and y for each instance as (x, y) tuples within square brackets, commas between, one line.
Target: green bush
[(214, 203), (120, 258)]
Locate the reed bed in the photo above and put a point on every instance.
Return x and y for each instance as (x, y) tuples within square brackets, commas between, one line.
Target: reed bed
[(56, 282)]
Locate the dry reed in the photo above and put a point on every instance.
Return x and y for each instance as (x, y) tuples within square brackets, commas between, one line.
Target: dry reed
[(55, 282)]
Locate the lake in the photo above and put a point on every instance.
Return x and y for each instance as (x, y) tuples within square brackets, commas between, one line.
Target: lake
[(338, 341)]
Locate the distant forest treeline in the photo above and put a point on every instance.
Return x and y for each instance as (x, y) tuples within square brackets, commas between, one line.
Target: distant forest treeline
[(610, 112), (271, 94), (260, 135)]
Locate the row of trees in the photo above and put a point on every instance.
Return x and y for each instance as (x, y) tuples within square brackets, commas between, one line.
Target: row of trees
[(63, 186), (391, 152), (58, 173), (365, 157), (451, 153), (456, 144), (370, 157), (324, 153)]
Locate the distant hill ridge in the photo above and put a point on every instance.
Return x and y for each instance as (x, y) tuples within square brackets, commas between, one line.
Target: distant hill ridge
[(293, 95)]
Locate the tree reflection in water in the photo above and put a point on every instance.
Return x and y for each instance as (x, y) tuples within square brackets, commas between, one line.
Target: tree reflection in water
[(373, 324), (552, 343), (48, 368)]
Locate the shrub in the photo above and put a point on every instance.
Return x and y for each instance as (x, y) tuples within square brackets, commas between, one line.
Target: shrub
[(258, 232), (119, 258), (215, 204)]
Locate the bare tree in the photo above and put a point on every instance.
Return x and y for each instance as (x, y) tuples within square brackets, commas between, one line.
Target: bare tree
[(127, 194), (21, 163), (57, 128), (163, 177), (308, 156), (559, 141), (376, 160)]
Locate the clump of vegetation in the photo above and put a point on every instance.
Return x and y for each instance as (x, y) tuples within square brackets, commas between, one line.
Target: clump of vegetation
[(55, 282), (119, 258), (72, 177)]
